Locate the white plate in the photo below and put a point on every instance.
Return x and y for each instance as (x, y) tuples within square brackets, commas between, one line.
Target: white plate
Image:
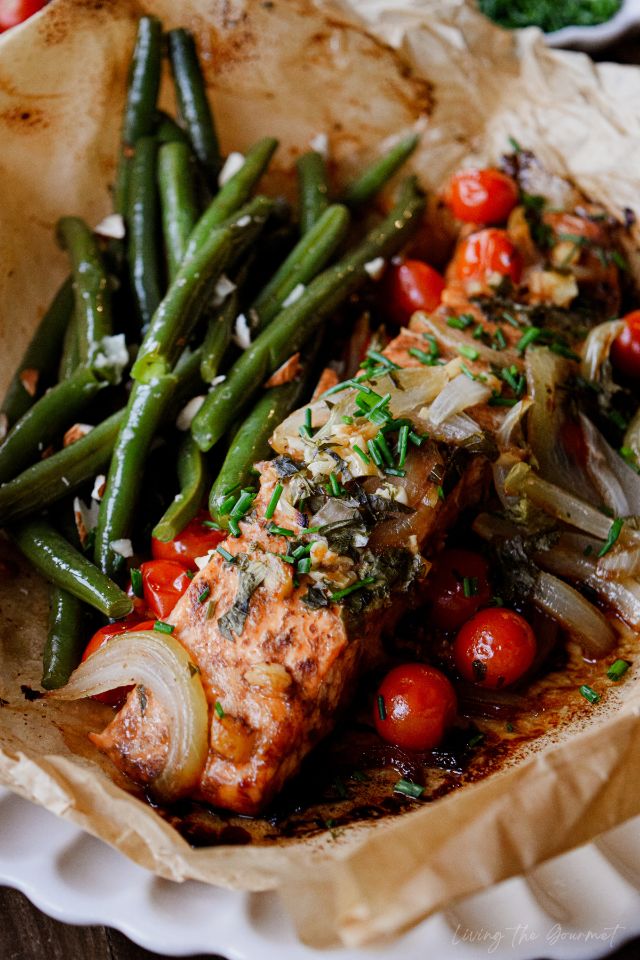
[(577, 907), (592, 38)]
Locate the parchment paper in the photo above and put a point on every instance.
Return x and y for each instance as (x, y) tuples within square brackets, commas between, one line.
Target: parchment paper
[(294, 69)]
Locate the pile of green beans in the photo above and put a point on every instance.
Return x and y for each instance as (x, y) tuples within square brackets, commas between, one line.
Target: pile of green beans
[(145, 324)]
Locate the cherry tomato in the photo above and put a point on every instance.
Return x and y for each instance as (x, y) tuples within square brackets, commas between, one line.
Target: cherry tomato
[(495, 647), (102, 636), (410, 286), (485, 254), (164, 582), (482, 196), (417, 703), (457, 587), (625, 349), (195, 541), (13, 12)]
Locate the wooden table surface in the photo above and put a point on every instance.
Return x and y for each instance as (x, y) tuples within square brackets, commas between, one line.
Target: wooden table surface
[(27, 934)]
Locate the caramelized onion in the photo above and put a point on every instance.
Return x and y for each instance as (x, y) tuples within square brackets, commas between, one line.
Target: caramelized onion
[(615, 481), (458, 395), (579, 617), (159, 662), (595, 349)]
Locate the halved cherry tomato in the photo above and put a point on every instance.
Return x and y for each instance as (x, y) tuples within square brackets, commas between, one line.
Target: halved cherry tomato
[(485, 255), (13, 12), (482, 196), (457, 587), (415, 703), (410, 286), (494, 648), (163, 582), (195, 541), (625, 349), (102, 636)]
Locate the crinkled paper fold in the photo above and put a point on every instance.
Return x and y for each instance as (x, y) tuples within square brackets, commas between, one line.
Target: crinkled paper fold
[(360, 73)]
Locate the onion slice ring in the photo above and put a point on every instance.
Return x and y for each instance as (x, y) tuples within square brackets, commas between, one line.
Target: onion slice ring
[(158, 661)]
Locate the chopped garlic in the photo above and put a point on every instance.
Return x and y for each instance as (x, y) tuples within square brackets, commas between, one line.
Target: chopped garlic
[(223, 288), (201, 562), (98, 487), (112, 227), (86, 518), (188, 412), (375, 267), (122, 547), (320, 143), (244, 221), (233, 163), (76, 432), (241, 332), (295, 294)]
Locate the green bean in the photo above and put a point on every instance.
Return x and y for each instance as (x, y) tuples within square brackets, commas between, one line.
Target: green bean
[(371, 180), (313, 189), (218, 337), (174, 319), (91, 286), (45, 420), (146, 409), (168, 131), (177, 201), (233, 194), (66, 638), (251, 444), (307, 259), (49, 480), (193, 104), (139, 116), (140, 109), (294, 325), (192, 477), (142, 235), (41, 355), (70, 356), (66, 567)]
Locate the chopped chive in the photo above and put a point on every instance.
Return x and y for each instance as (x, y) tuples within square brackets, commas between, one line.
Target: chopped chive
[(375, 453), (440, 489), (467, 372), (588, 550), (334, 484), (427, 358), (417, 439), (476, 740), (394, 472), (528, 338), (382, 359), (304, 432), (466, 350), (497, 401), (136, 582), (403, 442), (510, 319), (616, 418), (229, 557), (478, 332), (280, 531), (339, 594), (211, 525), (285, 558), (363, 456), (515, 146), (618, 669), (211, 609), (409, 789), (470, 586), (629, 458), (190, 574), (219, 709), (307, 420), (273, 503), (304, 565), (589, 693), (163, 627), (348, 420), (313, 529), (382, 711), (434, 349), (614, 533), (204, 595), (242, 504), (339, 387), (509, 727), (563, 351), (233, 527), (227, 504), (461, 322), (383, 447), (300, 551), (500, 339)]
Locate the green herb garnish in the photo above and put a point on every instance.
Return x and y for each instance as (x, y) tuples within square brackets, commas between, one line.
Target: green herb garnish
[(136, 582), (273, 502), (409, 789), (614, 533), (618, 669), (163, 627), (589, 693)]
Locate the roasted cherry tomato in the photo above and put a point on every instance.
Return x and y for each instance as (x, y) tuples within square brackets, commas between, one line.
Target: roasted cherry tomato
[(625, 349), (485, 256), (414, 706), (495, 647), (410, 286), (164, 582), (195, 541), (13, 12), (482, 196), (102, 636), (457, 587)]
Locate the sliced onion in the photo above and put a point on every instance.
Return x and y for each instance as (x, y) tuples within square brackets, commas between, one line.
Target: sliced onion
[(458, 395), (632, 436), (546, 375), (583, 621), (455, 429), (452, 339), (620, 563), (615, 481), (509, 433), (158, 661), (595, 349)]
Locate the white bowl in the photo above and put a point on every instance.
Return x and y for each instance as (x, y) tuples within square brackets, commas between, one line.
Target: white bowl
[(592, 38)]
